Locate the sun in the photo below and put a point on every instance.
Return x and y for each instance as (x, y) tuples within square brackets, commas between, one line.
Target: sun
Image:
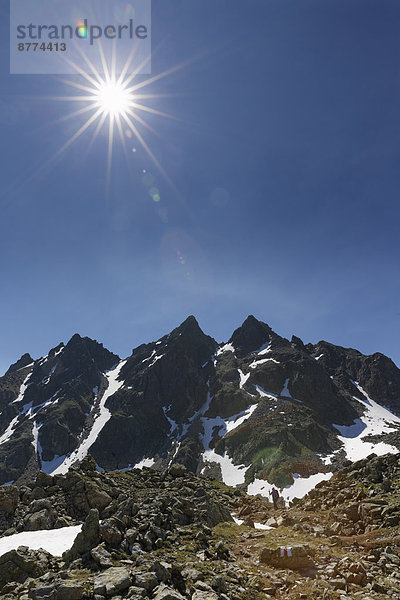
[(113, 98)]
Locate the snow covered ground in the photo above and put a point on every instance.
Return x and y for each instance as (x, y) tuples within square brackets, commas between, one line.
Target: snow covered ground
[(262, 526), (145, 462), (55, 541), (300, 487), (376, 420)]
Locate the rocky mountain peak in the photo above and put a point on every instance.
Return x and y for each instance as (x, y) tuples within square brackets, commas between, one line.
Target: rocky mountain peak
[(190, 326), (190, 334), (76, 339), (56, 350), (24, 361), (85, 350), (250, 336)]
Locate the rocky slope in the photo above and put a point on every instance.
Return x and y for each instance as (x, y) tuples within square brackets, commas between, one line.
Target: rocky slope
[(170, 536), (258, 410)]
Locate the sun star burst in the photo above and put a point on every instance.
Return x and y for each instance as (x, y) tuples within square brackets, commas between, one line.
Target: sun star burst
[(113, 99)]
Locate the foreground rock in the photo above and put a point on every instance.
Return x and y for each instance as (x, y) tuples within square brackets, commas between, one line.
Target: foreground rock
[(169, 536)]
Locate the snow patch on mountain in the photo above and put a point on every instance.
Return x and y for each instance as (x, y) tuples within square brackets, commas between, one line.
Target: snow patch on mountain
[(257, 363), (285, 393), (243, 378), (173, 424), (231, 474), (265, 394), (10, 429), (48, 377), (376, 420), (145, 462), (225, 348), (100, 420), (22, 389), (298, 489), (35, 435), (303, 485), (265, 348)]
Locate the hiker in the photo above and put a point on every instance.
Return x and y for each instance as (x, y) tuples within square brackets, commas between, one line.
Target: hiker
[(275, 495)]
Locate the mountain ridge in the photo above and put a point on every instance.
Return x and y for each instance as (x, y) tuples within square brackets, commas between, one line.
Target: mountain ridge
[(257, 410)]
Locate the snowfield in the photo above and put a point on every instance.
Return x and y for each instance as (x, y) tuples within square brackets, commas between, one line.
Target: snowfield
[(376, 420), (300, 487), (55, 541)]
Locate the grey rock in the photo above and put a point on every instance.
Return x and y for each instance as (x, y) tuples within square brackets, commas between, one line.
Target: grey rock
[(101, 556), (70, 590), (203, 595), (147, 581), (167, 593), (86, 539), (112, 581), (9, 496)]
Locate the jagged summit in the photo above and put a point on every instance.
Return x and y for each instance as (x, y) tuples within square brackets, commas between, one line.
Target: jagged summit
[(75, 339), (251, 335), (24, 361), (190, 330)]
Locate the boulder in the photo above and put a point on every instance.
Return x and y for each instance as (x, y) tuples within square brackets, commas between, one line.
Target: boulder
[(294, 558), (147, 581), (18, 565), (202, 595), (70, 590), (166, 593), (86, 539), (110, 533), (9, 496), (177, 470), (44, 480), (112, 581), (101, 556), (43, 519), (96, 497)]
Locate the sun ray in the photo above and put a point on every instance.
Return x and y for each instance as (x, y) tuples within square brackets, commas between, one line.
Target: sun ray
[(96, 132), (113, 99), (78, 133), (144, 123), (110, 151), (78, 86), (154, 111)]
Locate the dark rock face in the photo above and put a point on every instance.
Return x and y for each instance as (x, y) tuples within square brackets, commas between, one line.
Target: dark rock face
[(269, 404), (250, 336), (59, 394), (163, 381), (376, 374), (24, 361)]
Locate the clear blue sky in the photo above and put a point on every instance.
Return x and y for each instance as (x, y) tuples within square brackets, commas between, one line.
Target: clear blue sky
[(286, 156)]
